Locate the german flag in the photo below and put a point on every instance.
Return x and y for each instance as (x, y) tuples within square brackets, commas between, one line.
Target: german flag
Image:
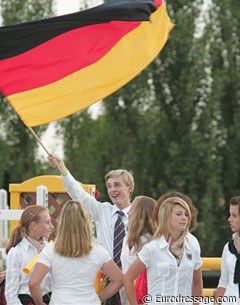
[(54, 67)]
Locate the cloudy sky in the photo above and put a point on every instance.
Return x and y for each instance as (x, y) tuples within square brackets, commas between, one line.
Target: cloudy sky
[(70, 6), (65, 7)]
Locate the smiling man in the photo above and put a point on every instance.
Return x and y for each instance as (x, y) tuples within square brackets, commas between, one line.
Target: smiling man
[(111, 219)]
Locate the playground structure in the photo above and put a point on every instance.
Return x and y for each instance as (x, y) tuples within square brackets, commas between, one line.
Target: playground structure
[(49, 191), (42, 190)]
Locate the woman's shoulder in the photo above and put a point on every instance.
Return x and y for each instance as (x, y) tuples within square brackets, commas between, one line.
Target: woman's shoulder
[(226, 246), (152, 244), (146, 238), (99, 253), (15, 253), (192, 240), (48, 247)]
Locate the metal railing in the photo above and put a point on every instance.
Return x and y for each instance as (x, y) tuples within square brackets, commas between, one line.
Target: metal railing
[(210, 263)]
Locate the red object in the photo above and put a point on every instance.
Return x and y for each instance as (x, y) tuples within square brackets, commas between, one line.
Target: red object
[(141, 287), (97, 194)]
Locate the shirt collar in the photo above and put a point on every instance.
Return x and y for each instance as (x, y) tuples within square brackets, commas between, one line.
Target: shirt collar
[(163, 243), (186, 243), (125, 210), (26, 244)]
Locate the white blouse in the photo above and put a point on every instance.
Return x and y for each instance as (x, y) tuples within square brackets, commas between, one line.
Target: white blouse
[(16, 280), (73, 278), (165, 277)]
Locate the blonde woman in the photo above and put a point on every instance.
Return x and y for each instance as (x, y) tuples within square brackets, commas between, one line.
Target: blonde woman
[(141, 228), (26, 240), (193, 210), (73, 261), (172, 260)]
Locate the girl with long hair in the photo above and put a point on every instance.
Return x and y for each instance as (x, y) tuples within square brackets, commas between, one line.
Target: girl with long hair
[(26, 240), (141, 228), (73, 262), (172, 260)]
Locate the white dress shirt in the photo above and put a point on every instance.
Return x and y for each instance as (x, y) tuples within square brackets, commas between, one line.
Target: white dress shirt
[(227, 274), (104, 213), (16, 280), (164, 276), (73, 278)]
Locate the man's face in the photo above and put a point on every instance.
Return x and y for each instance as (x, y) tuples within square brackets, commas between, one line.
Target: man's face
[(118, 192)]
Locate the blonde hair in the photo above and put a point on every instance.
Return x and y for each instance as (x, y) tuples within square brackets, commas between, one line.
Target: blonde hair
[(74, 235), (30, 214), (193, 209), (126, 176), (142, 221), (165, 212)]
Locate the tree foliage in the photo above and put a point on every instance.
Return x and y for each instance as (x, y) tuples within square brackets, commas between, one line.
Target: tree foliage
[(18, 148)]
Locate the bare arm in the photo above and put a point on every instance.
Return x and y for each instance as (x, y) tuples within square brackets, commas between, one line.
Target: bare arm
[(218, 294), (115, 275), (223, 281), (2, 275), (36, 278), (128, 280), (197, 284)]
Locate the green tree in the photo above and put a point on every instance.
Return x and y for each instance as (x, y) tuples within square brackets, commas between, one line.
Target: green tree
[(224, 49), (17, 146)]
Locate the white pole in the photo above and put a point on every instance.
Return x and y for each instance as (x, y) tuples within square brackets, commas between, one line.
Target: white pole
[(42, 195), (4, 223)]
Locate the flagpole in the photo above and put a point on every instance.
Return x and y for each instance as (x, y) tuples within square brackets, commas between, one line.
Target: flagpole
[(38, 140)]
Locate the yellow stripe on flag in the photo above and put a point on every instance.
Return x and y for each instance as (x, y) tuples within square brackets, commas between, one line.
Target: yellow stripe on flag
[(93, 83)]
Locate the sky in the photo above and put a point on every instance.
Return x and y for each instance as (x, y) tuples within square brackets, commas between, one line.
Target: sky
[(66, 6), (63, 7), (70, 6)]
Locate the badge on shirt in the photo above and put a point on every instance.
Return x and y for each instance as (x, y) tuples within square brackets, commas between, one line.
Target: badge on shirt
[(189, 256)]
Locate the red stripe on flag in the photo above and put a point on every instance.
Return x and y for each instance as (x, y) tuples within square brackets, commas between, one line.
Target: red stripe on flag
[(61, 56), (158, 2)]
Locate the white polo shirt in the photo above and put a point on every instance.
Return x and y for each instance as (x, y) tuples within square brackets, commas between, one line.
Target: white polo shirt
[(165, 277), (73, 278), (104, 213)]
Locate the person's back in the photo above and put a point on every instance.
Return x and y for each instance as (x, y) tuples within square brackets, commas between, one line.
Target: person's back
[(73, 262), (73, 278)]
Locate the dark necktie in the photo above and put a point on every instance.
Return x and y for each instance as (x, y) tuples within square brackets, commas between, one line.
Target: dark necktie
[(119, 234)]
